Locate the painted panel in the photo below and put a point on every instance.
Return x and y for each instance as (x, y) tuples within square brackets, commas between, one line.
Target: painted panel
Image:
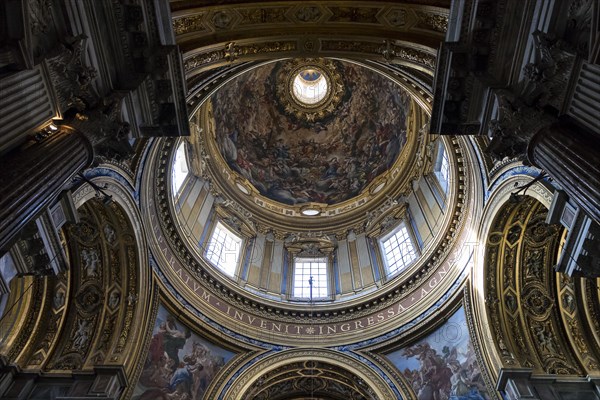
[(180, 364), (443, 366)]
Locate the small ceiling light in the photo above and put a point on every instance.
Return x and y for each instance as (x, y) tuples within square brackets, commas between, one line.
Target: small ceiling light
[(378, 187), (242, 188), (311, 212), (53, 127)]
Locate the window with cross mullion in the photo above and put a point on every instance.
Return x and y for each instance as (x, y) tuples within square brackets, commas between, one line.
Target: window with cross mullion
[(304, 269), (224, 249)]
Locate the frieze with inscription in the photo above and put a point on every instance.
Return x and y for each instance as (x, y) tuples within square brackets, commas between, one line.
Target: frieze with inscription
[(280, 323)]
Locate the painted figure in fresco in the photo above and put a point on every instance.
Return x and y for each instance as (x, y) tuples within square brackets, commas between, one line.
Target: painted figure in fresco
[(443, 366), (444, 376), (205, 370), (160, 365), (463, 387), (245, 166), (181, 382), (174, 339), (179, 366), (459, 380), (434, 374), (228, 146)]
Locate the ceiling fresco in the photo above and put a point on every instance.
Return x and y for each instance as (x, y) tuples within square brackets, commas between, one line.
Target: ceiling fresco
[(326, 155)]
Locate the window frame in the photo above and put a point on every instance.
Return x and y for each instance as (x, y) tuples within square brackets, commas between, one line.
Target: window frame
[(220, 225), (294, 257), (179, 190), (442, 180), (413, 243)]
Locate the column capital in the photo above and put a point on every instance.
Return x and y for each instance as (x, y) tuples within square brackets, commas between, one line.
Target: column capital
[(515, 126)]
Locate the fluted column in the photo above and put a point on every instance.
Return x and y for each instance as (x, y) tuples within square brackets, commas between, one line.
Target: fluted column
[(571, 156), (32, 177), (25, 105)]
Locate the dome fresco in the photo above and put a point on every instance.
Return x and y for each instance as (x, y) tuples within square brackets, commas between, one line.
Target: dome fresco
[(324, 157)]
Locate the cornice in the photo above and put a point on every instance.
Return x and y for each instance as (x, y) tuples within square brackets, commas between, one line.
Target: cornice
[(199, 26), (179, 5)]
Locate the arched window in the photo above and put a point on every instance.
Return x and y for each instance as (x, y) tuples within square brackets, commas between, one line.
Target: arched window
[(180, 168), (224, 249), (398, 250), (442, 167), (306, 268)]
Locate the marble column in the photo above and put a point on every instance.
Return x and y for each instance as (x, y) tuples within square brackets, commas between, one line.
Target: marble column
[(33, 176), (571, 156)]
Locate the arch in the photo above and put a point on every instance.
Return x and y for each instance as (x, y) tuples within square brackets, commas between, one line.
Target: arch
[(141, 292), (527, 324), (215, 35), (331, 366), (88, 322), (483, 336)]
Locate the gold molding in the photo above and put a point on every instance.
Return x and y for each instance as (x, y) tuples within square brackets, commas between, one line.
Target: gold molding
[(245, 379), (529, 327)]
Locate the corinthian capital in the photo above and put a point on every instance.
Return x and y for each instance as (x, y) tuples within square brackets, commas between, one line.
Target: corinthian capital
[(514, 126)]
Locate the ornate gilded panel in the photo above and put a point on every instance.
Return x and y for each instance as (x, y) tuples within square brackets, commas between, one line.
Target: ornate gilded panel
[(88, 312), (532, 309)]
